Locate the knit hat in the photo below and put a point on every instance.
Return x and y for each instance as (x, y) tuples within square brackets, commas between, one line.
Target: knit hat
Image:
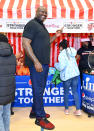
[(85, 39)]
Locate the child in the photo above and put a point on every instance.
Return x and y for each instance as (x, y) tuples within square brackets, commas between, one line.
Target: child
[(69, 74), (7, 82)]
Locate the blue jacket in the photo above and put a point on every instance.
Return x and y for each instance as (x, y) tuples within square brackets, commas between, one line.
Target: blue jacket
[(67, 64)]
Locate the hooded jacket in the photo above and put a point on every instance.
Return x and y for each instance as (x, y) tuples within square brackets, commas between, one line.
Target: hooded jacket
[(7, 74), (67, 64)]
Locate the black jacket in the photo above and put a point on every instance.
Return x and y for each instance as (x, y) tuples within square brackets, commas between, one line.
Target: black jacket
[(7, 74)]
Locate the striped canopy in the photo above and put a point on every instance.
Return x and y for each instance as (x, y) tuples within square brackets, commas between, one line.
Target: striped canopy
[(68, 9)]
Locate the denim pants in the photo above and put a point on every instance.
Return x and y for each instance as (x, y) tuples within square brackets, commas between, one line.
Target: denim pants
[(5, 117), (38, 86), (73, 83)]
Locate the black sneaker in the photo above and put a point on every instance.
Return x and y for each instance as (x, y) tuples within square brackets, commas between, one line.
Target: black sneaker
[(12, 113), (44, 123)]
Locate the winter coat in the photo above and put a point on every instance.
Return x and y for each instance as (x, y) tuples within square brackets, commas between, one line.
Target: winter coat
[(7, 74), (67, 64)]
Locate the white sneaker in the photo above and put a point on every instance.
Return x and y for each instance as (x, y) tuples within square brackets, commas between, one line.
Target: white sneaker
[(77, 113), (66, 111)]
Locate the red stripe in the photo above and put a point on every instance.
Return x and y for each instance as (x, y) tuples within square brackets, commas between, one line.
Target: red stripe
[(19, 42), (55, 53), (72, 9), (80, 39), (58, 41), (61, 37), (68, 38), (28, 9), (52, 52), (81, 9), (14, 43), (19, 11), (53, 9), (63, 9), (72, 40), (90, 11), (1, 8), (50, 58), (9, 38), (86, 34), (53, 49), (9, 10), (64, 35)]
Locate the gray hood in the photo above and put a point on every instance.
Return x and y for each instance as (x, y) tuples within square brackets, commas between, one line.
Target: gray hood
[(71, 51), (5, 49)]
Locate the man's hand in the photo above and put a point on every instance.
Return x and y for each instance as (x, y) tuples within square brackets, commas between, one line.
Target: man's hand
[(58, 33), (38, 67)]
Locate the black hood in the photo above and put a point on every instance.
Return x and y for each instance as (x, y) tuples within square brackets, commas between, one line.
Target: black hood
[(5, 49)]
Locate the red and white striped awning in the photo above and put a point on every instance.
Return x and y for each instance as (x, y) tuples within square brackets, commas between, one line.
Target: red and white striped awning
[(68, 9)]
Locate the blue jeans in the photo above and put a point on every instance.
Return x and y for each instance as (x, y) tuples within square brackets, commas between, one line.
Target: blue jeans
[(5, 117), (73, 83), (38, 86)]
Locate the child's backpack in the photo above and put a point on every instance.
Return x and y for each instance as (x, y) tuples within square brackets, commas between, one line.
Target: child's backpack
[(56, 79)]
